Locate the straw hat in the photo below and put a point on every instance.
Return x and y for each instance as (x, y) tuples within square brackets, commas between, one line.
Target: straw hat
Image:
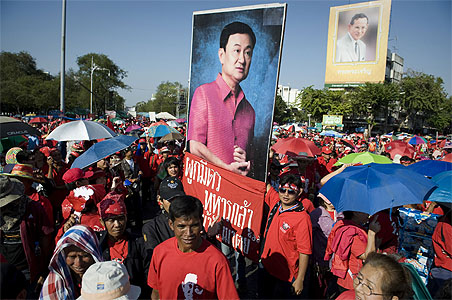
[(23, 171)]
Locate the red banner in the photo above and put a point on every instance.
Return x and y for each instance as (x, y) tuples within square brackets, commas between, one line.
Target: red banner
[(237, 199)]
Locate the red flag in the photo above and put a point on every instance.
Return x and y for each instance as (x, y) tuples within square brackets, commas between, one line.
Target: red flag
[(237, 199), (109, 124)]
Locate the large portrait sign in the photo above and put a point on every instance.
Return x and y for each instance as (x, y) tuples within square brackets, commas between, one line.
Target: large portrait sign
[(234, 72), (357, 43), (236, 199)]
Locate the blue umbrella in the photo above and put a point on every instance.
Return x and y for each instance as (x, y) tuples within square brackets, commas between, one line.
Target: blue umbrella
[(430, 167), (159, 131), (444, 191), (103, 149), (374, 187)]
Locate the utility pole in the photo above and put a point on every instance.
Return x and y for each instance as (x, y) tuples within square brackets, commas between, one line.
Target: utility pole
[(63, 56), (94, 67)]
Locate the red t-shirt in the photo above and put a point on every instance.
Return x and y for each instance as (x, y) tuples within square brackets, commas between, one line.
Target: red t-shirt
[(442, 244), (308, 206), (118, 250), (355, 264), (201, 274), (388, 233), (290, 233)]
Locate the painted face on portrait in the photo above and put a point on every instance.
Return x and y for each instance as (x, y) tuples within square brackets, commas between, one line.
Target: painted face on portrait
[(358, 29), (236, 59)]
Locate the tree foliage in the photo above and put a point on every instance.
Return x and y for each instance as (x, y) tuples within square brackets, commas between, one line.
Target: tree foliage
[(166, 99), (424, 97), (28, 89), (323, 102), (374, 99)]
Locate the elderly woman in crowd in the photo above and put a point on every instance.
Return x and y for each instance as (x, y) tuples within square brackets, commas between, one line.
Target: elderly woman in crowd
[(381, 277), (74, 253)]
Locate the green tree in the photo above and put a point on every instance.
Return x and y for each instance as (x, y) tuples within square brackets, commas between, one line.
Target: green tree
[(165, 99), (374, 99), (282, 113), (323, 102), (423, 97), (108, 77), (24, 87)]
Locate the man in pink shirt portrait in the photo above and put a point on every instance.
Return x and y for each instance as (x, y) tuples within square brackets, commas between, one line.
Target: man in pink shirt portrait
[(221, 120)]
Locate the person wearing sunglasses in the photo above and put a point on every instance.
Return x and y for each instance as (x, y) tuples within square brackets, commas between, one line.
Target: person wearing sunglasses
[(381, 277), (286, 243)]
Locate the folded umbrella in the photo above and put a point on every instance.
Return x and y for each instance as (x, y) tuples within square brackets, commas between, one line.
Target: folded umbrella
[(363, 158), (11, 127), (103, 149), (296, 147), (81, 131), (375, 187), (430, 167)]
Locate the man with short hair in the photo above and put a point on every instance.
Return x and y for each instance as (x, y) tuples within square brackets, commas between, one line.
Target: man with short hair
[(157, 230), (188, 266), (221, 120), (286, 243), (350, 47)]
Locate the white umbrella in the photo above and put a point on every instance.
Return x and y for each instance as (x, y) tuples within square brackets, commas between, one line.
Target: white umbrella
[(81, 131), (165, 115)]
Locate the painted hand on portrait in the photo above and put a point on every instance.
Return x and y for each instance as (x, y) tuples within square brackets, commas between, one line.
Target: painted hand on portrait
[(240, 165)]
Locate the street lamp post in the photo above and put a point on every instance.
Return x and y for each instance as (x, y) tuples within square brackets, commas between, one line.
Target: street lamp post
[(94, 67), (309, 121)]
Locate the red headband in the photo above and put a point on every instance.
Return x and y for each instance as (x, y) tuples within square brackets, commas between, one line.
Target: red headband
[(112, 205), (289, 186)]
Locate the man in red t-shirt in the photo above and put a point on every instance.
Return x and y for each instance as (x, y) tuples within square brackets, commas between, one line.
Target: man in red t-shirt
[(326, 162), (187, 266), (287, 241)]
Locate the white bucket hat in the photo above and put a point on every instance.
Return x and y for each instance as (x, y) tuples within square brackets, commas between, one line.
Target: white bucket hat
[(106, 281)]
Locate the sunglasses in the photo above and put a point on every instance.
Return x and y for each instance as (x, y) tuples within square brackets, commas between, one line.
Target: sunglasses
[(289, 191)]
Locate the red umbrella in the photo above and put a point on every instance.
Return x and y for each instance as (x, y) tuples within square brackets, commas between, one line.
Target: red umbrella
[(296, 147), (38, 120), (448, 158), (399, 147)]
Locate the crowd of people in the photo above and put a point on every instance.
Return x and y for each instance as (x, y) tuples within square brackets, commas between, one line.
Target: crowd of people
[(68, 232)]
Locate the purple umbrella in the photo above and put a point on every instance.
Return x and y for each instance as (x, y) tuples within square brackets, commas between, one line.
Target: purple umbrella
[(133, 127)]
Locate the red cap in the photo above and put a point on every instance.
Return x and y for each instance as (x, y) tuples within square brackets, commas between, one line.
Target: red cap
[(112, 205), (75, 174), (45, 150), (326, 150), (141, 141)]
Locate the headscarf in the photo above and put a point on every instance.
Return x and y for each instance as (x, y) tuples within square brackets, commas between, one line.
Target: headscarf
[(112, 205), (59, 284)]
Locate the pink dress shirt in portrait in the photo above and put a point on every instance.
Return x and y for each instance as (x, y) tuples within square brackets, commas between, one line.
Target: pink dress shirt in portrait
[(219, 120)]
